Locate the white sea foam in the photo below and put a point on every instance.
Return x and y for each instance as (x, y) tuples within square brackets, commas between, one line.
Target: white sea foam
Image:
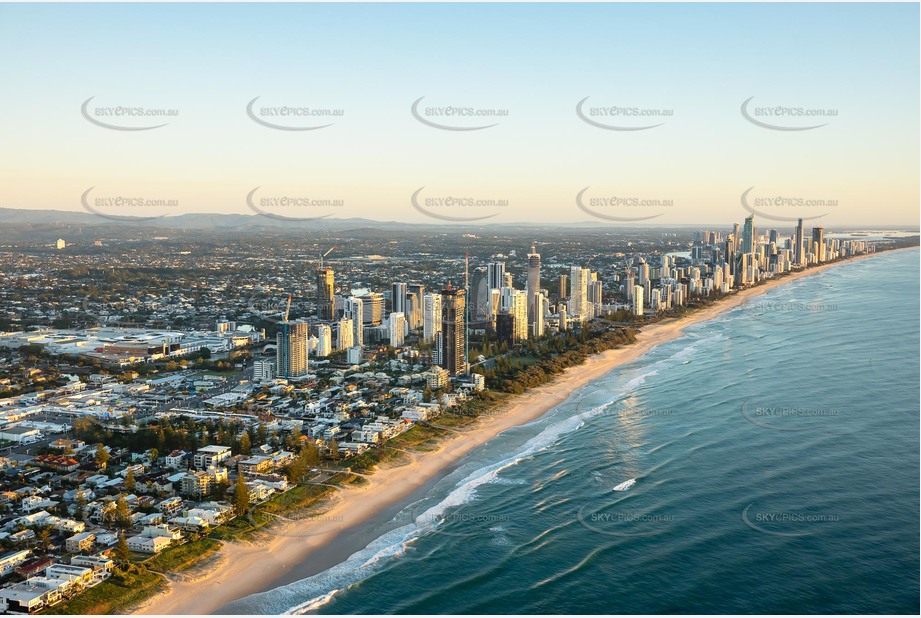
[(320, 589)]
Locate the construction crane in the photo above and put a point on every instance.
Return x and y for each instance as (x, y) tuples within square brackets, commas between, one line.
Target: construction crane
[(323, 255)]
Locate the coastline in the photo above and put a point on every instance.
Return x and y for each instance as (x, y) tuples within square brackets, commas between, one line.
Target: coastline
[(240, 569)]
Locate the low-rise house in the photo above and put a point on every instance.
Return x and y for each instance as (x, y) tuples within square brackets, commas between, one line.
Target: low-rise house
[(26, 598), (98, 563), (81, 542), (209, 456), (78, 575), (175, 459), (149, 545), (23, 536), (106, 539), (170, 506), (34, 567), (9, 561)]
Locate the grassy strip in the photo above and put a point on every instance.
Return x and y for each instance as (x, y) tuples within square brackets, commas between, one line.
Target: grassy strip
[(183, 556), (116, 595), (296, 499)]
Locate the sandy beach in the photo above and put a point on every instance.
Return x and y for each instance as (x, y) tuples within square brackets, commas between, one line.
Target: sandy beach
[(244, 569)]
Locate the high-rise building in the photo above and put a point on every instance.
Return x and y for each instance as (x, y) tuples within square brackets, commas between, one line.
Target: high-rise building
[(325, 293), (398, 293), (496, 275), (291, 354), (562, 315), (324, 340), (61, 244), (594, 296), (397, 323), (818, 241), (533, 282), (431, 317), (417, 307), (505, 328), (748, 235), (578, 298), (372, 309), (638, 300), (564, 293), (479, 296), (519, 308), (354, 310), (507, 280), (345, 336), (798, 257), (537, 327), (453, 330)]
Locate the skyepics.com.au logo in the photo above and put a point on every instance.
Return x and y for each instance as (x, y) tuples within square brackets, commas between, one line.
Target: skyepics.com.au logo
[(786, 207), (621, 117), (128, 207), (458, 522), (788, 417), (126, 117), (787, 522), (786, 117), (456, 207), (620, 207), (292, 207), (271, 309), (624, 522), (292, 117), (450, 117), (789, 313)]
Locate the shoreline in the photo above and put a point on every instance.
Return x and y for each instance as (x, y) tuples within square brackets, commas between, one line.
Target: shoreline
[(354, 513)]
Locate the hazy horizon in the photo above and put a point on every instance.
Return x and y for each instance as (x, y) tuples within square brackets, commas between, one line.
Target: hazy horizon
[(794, 110)]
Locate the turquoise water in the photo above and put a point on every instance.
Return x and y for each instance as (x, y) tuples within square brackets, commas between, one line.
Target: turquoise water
[(775, 452)]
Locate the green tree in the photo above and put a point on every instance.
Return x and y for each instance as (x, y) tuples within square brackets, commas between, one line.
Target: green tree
[(80, 500), (296, 470), (130, 483), (311, 454), (240, 497), (122, 553), (333, 447), (245, 444), (154, 455), (122, 514), (102, 456), (294, 440), (44, 538)]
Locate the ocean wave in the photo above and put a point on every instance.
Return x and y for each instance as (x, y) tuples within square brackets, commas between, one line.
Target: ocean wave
[(321, 589)]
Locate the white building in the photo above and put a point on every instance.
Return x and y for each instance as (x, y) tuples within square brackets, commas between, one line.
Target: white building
[(397, 325), (264, 370), (210, 456), (638, 300), (345, 337), (324, 340), (431, 316), (354, 311)]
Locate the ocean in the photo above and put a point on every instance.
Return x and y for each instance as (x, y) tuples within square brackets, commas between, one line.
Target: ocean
[(776, 464)]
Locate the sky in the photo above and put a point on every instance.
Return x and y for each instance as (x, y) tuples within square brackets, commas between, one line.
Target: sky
[(687, 68)]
